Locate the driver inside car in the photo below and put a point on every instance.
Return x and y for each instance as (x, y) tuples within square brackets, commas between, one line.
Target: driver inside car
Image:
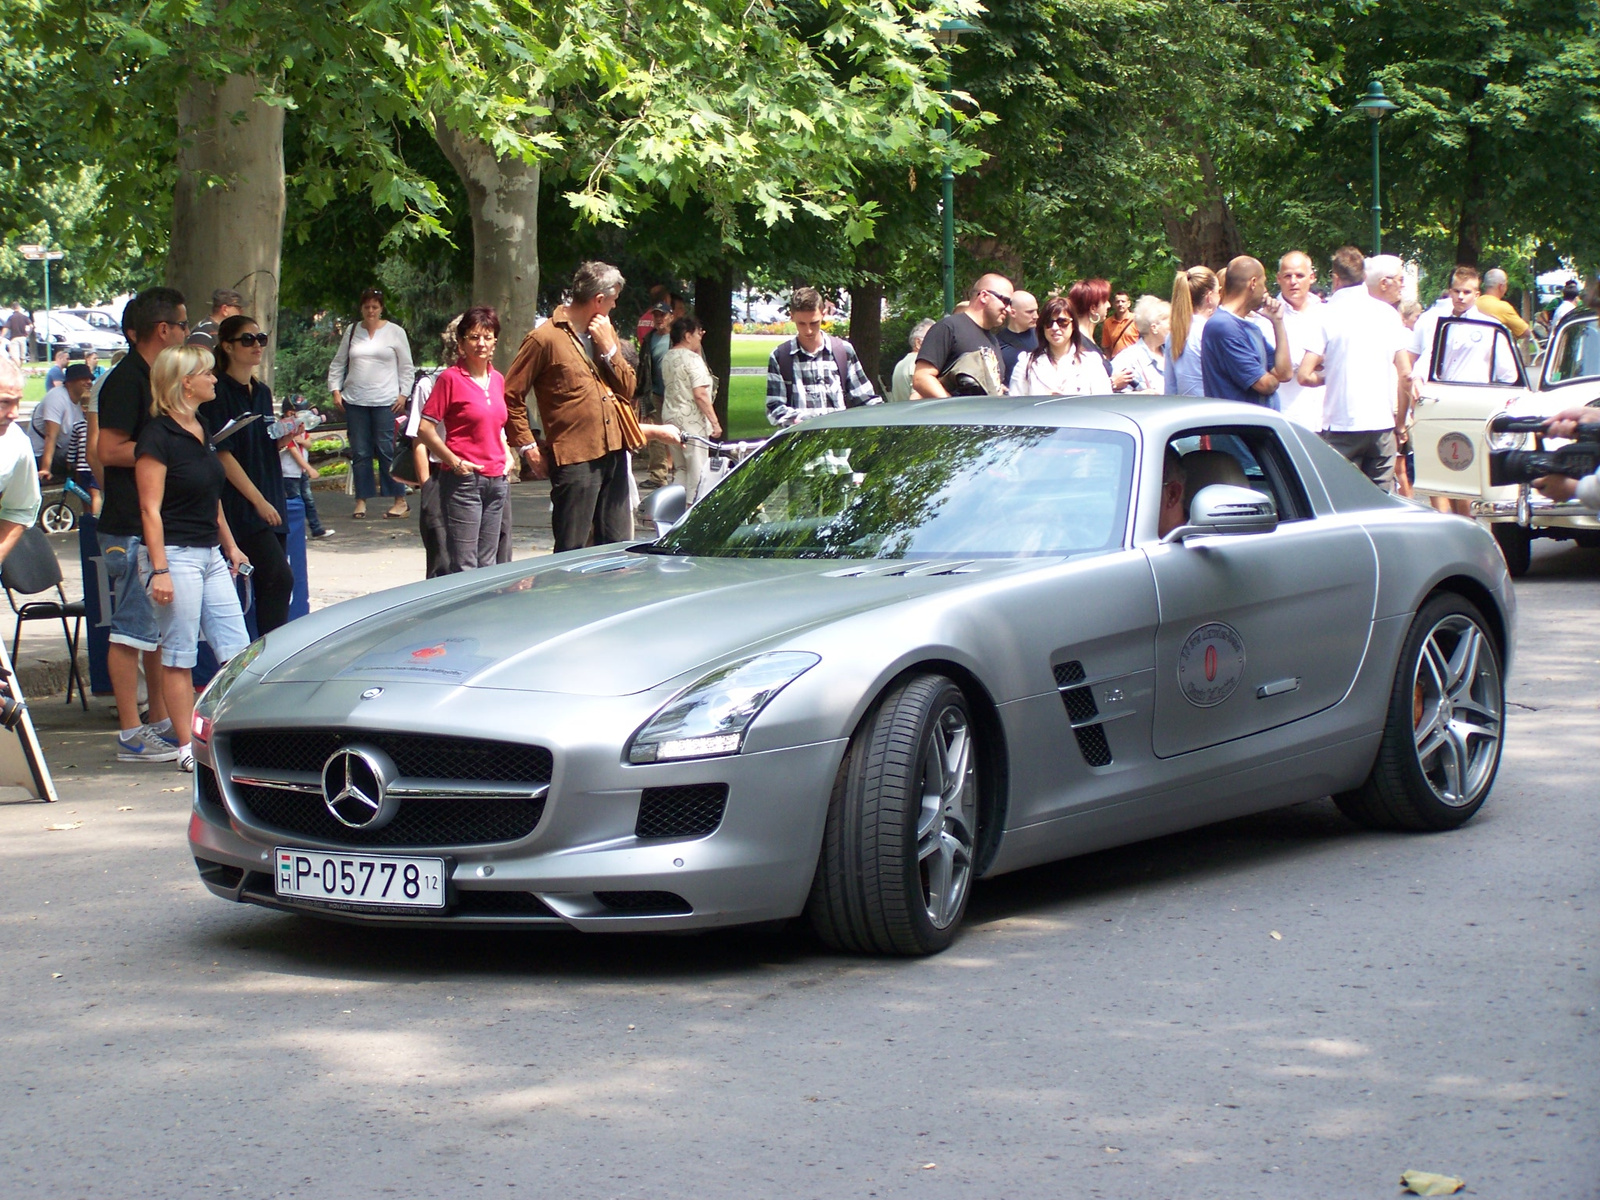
[(1182, 477)]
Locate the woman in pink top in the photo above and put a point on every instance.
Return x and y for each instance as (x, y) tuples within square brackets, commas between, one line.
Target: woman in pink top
[(464, 430)]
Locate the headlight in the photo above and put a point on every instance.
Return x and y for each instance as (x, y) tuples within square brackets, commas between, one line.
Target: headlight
[(205, 708), (711, 717), (1507, 441)]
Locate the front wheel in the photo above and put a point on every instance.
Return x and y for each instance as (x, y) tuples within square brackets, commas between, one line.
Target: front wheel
[(899, 847), (57, 518), (1442, 738)]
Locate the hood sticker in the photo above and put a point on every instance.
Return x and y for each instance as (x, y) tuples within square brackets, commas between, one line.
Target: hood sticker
[(447, 659), (1210, 664)]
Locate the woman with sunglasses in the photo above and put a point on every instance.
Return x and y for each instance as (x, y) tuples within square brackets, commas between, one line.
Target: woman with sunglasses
[(370, 378), (1066, 362), (255, 496)]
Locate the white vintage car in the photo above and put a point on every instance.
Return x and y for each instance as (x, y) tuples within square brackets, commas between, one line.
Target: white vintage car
[(1477, 374)]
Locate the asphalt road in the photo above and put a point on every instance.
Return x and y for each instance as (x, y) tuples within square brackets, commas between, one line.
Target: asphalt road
[(1123, 1025)]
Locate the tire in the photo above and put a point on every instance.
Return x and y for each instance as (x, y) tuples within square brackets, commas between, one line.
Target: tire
[(57, 518), (1445, 726), (897, 856), (1516, 546)]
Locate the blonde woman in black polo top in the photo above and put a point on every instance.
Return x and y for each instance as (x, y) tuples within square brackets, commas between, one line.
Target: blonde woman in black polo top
[(188, 557)]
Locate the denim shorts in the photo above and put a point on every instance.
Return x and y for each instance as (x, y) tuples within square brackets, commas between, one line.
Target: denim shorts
[(132, 621), (204, 600)]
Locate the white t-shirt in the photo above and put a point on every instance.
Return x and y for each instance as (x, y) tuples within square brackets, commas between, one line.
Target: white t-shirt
[(1358, 339), (19, 479), (1467, 357), (1302, 405)]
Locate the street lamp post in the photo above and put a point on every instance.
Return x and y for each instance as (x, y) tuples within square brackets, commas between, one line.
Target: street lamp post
[(1377, 106), (42, 255), (948, 34)]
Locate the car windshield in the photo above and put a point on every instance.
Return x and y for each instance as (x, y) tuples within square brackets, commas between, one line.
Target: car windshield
[(1576, 353), (924, 490)]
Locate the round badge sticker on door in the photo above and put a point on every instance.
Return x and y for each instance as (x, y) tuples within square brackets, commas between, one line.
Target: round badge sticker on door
[(1210, 664), (1455, 451)]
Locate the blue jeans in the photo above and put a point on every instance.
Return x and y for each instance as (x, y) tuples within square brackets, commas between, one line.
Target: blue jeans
[(371, 430), (203, 599), (299, 485), (133, 623)]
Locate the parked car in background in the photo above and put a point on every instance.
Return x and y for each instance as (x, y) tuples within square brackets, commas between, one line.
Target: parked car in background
[(97, 318), (73, 333), (1479, 374)]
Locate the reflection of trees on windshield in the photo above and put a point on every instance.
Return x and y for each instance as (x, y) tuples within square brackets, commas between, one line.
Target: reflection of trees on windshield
[(1578, 355), (886, 492)]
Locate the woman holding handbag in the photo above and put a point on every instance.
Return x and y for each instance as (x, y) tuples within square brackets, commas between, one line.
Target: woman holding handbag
[(462, 427), (370, 378)]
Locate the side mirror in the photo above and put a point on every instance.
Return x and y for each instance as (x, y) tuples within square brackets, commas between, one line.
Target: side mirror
[(667, 506), (1222, 508)]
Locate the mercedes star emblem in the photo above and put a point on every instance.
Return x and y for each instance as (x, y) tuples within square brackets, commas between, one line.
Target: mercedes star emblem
[(372, 693), (355, 787)]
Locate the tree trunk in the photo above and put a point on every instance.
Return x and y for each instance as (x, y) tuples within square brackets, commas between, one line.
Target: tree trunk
[(866, 329), (228, 204), (713, 305), (1469, 228), (503, 200), (1208, 236)]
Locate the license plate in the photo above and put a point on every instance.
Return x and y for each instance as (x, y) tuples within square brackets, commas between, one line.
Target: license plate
[(360, 879)]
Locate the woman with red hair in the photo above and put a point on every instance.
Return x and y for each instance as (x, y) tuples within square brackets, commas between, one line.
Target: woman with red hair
[(1068, 362)]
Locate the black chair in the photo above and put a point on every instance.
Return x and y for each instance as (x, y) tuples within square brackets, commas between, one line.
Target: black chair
[(29, 569)]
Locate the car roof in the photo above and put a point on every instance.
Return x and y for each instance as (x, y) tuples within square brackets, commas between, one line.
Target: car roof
[(1154, 417)]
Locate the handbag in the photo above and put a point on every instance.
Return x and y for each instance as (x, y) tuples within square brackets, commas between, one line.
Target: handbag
[(403, 463)]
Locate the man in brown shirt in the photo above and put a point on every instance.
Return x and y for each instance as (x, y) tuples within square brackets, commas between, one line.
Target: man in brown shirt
[(1117, 331), (573, 368)]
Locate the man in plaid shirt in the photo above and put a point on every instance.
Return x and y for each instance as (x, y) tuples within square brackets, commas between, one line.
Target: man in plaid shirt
[(813, 372)]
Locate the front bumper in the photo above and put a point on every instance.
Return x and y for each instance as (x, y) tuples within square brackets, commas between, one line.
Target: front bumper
[(1542, 514), (583, 865)]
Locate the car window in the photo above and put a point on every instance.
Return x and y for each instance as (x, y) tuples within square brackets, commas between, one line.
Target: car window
[(1475, 352), (1575, 353), (1246, 456), (926, 490)]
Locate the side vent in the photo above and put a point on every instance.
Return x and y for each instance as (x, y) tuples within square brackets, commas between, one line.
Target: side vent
[(1082, 712)]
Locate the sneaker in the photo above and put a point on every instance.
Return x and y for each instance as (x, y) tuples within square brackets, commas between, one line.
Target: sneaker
[(186, 759), (326, 533), (145, 745)]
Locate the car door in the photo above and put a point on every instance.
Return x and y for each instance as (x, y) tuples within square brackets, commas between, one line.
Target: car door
[(1476, 371), (1258, 630)]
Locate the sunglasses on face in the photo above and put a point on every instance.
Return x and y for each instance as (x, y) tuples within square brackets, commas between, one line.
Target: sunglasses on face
[(1004, 299), (252, 339), (1059, 323), (179, 324)]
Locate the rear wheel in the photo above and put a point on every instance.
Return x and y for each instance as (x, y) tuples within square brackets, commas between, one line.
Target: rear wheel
[(898, 851), (1516, 546), (1441, 741)]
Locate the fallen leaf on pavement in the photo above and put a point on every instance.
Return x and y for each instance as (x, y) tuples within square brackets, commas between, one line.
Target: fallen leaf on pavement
[(64, 826), (929, 1166), (176, 789), (1426, 1183), (1276, 936), (124, 808), (55, 974)]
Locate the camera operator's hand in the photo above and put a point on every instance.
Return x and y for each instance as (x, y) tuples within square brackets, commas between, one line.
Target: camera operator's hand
[(1556, 487), (1565, 424)]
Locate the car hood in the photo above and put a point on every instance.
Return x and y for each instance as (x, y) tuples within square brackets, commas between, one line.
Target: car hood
[(607, 625)]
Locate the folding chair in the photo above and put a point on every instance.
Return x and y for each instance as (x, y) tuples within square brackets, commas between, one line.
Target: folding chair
[(31, 568)]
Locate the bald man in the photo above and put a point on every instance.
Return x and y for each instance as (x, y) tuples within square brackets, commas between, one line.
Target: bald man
[(966, 341), (1236, 360), (1302, 322), (1492, 301)]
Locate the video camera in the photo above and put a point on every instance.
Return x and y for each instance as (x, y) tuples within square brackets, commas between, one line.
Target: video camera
[(1577, 459)]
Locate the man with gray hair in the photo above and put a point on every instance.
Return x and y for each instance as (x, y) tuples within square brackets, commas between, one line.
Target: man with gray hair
[(900, 383), (1359, 354), (573, 368), (225, 303), (1492, 303)]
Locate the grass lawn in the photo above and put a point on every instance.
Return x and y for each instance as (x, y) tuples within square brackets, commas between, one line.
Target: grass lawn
[(33, 389), (753, 350), (747, 406)]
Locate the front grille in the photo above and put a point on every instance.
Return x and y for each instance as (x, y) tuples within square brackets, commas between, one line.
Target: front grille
[(415, 755), (511, 903), (210, 794), (644, 903), (681, 812), (457, 821)]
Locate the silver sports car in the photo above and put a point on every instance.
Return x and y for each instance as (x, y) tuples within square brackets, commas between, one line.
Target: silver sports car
[(899, 649)]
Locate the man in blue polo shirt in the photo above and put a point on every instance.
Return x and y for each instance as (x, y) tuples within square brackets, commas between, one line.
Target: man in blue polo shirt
[(1235, 360)]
